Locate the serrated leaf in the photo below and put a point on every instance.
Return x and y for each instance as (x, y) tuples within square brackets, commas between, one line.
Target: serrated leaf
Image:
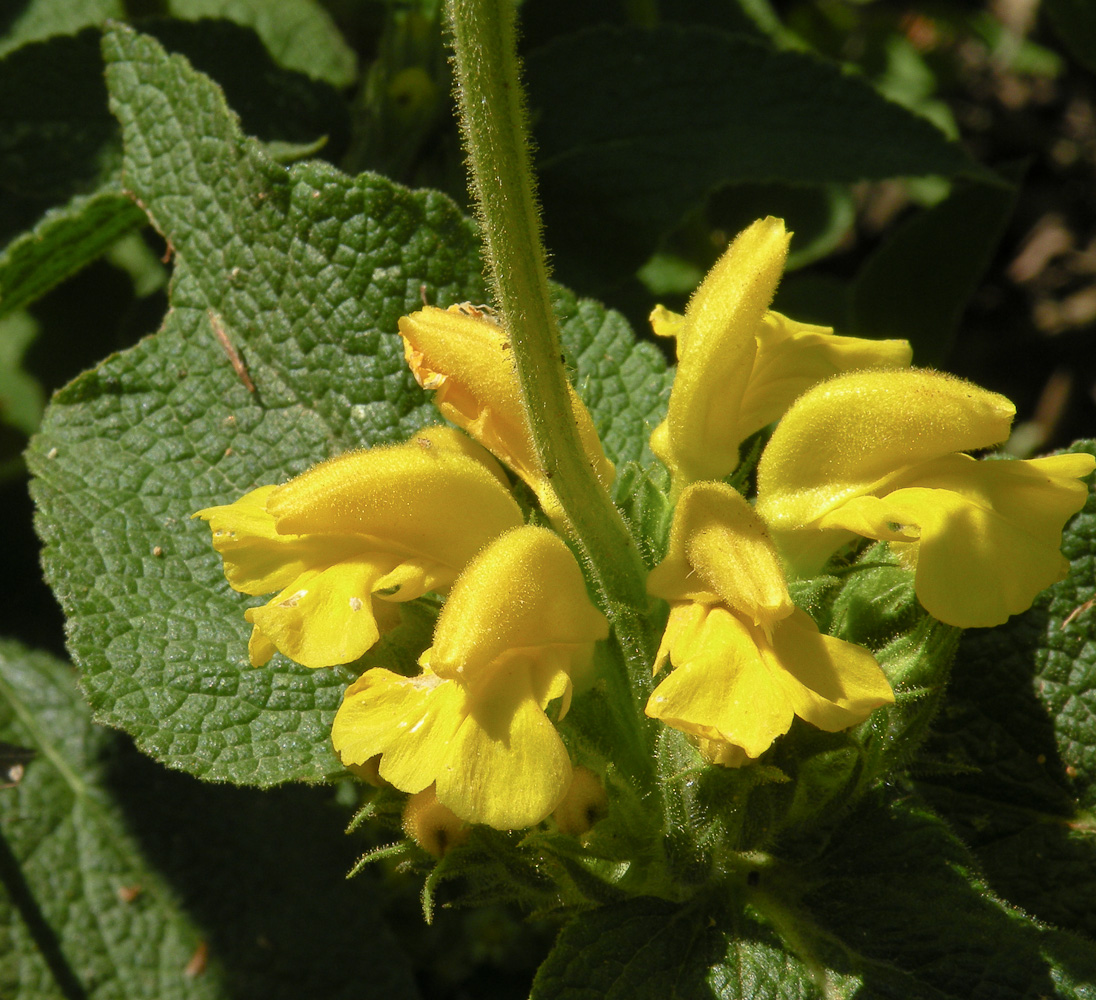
[(119, 872), (917, 284), (626, 148), (1015, 744), (65, 240), (306, 271), (299, 34)]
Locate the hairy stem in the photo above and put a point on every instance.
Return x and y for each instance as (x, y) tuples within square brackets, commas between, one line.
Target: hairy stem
[(496, 138)]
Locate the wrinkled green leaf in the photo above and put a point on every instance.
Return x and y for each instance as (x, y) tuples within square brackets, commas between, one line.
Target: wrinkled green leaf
[(625, 148), (306, 271), (299, 34), (64, 241), (651, 949), (118, 872), (1014, 759), (917, 284)]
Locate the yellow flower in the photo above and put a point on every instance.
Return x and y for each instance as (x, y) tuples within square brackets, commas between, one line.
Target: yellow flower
[(740, 365), (517, 628), (877, 454), (464, 357), (746, 660), (389, 523)]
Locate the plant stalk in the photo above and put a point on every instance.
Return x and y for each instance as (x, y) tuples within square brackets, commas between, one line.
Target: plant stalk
[(493, 125)]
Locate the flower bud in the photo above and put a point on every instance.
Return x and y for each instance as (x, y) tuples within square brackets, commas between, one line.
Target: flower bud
[(585, 803), (431, 825)]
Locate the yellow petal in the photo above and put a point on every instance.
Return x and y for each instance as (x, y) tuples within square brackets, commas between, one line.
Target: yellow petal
[(722, 688), (716, 346), (523, 592), (410, 721), (464, 357), (495, 758), (792, 357), (989, 532), (396, 521), (450, 439), (509, 766), (259, 648), (720, 551), (433, 504), (856, 433), (733, 687), (325, 616), (665, 322), (722, 753), (830, 683), (257, 558)]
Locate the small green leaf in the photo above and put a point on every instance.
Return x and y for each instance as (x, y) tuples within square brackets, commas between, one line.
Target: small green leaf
[(917, 284), (626, 148), (63, 242)]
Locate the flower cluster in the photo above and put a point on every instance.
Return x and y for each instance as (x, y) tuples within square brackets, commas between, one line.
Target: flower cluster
[(863, 446)]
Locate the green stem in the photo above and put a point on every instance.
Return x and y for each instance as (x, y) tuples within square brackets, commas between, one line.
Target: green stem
[(495, 135)]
